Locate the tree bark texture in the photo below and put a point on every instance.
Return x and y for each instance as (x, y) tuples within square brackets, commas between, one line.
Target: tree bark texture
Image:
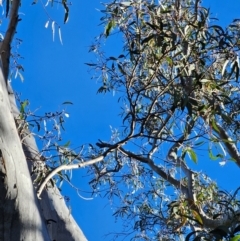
[(23, 216)]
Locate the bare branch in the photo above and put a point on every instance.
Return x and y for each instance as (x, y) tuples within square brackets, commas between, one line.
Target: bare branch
[(67, 167), (11, 30)]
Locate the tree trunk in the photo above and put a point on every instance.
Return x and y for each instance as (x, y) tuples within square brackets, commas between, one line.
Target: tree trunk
[(23, 216)]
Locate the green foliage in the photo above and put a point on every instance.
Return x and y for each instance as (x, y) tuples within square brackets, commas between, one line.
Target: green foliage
[(177, 78)]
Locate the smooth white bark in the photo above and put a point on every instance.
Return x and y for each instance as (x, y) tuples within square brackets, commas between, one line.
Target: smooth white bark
[(22, 215)]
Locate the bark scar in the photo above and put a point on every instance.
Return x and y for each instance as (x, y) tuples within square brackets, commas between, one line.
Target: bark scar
[(3, 162)]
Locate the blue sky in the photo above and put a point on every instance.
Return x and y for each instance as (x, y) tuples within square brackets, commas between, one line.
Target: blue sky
[(54, 73)]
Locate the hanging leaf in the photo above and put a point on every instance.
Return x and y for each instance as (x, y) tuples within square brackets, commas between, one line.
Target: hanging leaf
[(60, 35), (121, 69), (67, 103), (20, 76), (212, 157), (53, 29), (46, 24), (90, 64), (199, 143), (235, 238), (192, 154), (197, 217), (224, 66), (214, 126), (121, 56), (47, 3), (67, 144), (191, 234), (38, 125), (66, 8), (112, 58), (109, 27), (7, 7), (22, 108), (226, 118)]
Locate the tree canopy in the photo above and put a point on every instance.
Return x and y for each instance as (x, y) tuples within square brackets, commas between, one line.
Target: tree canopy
[(177, 81), (176, 77)]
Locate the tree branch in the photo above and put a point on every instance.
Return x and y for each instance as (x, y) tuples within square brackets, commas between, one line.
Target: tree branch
[(176, 183), (66, 167), (228, 143), (5, 47)]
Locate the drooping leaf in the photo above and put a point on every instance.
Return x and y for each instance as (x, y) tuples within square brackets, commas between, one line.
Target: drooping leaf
[(46, 24), (66, 8), (7, 7), (22, 108), (226, 118), (110, 25), (224, 66), (20, 76), (218, 28), (67, 144), (38, 125), (67, 103), (103, 89), (197, 217), (121, 56), (90, 64), (121, 69), (212, 157), (190, 235), (214, 125), (53, 29), (235, 238), (60, 35), (192, 154), (112, 58), (199, 143)]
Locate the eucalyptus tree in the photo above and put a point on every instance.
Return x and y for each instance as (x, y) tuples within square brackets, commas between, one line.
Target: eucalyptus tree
[(176, 76), (22, 215)]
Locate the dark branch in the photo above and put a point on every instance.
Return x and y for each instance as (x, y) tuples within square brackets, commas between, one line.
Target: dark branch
[(5, 47)]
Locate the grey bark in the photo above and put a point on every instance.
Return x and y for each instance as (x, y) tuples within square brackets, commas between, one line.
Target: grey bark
[(22, 215), (57, 219)]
